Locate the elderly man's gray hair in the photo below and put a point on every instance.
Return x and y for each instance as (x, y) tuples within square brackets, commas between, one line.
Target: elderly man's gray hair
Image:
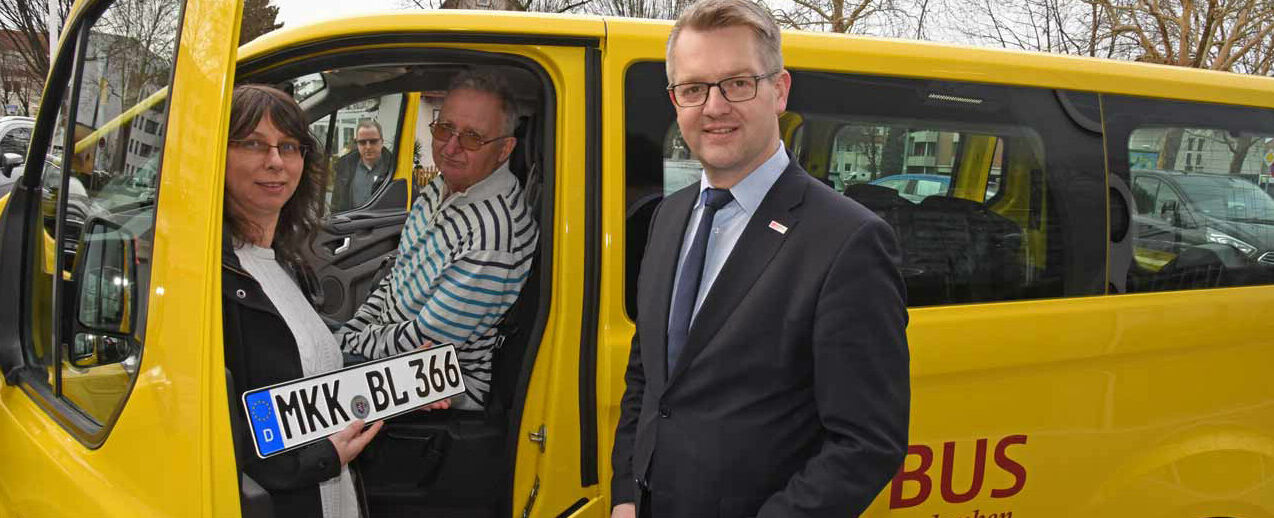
[(494, 83)]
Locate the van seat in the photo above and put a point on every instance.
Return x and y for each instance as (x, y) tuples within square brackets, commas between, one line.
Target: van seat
[(957, 250)]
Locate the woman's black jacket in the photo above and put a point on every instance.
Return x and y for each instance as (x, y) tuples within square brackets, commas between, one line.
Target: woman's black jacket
[(260, 351)]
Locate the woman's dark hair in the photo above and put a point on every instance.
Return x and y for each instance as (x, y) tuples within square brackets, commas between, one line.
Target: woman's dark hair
[(299, 218)]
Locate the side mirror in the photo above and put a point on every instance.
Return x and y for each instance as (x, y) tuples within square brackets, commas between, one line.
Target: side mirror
[(10, 162), (105, 296), (1170, 211), (92, 350)]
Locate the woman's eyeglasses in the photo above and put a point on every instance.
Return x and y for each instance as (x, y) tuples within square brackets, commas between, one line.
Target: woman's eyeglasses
[(287, 150)]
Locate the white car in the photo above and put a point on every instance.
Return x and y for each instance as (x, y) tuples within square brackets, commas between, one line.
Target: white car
[(15, 135)]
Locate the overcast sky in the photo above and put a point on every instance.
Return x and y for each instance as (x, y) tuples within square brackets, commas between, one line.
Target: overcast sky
[(297, 12)]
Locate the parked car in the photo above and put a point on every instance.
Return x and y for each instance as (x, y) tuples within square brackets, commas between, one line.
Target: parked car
[(1196, 220), (916, 187), (15, 135)]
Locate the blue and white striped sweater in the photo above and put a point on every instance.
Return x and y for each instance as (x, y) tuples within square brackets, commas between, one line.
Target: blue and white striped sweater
[(462, 260)]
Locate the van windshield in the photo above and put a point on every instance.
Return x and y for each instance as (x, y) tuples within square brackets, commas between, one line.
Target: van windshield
[(1228, 198)]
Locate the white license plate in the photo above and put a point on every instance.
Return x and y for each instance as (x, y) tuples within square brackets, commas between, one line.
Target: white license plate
[(298, 412)]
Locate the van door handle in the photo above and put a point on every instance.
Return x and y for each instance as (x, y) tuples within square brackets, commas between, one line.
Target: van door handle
[(342, 247)]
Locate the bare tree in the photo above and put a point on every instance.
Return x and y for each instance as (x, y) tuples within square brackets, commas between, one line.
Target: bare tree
[(903, 18), (539, 6), (658, 9), (1228, 35), (1212, 34), (26, 24), (132, 46), (1060, 26), (17, 85)]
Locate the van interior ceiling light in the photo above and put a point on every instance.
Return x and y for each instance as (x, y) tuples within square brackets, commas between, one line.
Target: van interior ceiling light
[(955, 99)]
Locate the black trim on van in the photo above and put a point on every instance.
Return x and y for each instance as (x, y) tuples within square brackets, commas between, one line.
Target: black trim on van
[(592, 270), (308, 49)]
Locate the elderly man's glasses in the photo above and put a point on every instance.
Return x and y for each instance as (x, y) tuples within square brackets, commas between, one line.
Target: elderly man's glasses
[(287, 150), (469, 139), (735, 89)]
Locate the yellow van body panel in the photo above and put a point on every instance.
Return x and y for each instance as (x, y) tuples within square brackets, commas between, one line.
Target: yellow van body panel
[(1105, 406)]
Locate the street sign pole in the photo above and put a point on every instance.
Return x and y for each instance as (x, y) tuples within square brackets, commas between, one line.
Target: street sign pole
[(53, 30)]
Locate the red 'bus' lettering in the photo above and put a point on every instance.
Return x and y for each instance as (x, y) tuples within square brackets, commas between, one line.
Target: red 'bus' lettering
[(948, 468), (1005, 463), (919, 475)]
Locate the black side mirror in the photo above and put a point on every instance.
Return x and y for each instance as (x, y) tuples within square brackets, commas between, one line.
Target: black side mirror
[(1170, 211), (10, 162), (105, 296)]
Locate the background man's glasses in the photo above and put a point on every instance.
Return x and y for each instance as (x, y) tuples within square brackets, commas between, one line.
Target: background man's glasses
[(367, 141), (469, 139), (735, 89), (287, 150)]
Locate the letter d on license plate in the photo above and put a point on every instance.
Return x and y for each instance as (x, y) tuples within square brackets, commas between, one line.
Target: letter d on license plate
[(299, 412)]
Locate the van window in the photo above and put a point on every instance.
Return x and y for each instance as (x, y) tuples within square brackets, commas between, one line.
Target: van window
[(680, 167), (360, 139), (103, 230), (1203, 215), (988, 203)]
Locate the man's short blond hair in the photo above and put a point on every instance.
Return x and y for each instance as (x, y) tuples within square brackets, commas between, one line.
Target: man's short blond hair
[(706, 15)]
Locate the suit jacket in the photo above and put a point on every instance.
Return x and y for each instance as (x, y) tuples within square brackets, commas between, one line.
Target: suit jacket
[(791, 396)]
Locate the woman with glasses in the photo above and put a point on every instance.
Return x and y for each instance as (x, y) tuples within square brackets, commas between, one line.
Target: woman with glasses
[(274, 188)]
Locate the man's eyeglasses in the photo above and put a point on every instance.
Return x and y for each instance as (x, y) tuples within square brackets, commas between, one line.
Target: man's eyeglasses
[(287, 150), (367, 141), (735, 89), (469, 139)]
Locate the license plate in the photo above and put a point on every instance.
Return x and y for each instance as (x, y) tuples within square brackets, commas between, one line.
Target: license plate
[(299, 412)]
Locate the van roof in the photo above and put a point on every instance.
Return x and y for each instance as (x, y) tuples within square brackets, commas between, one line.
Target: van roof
[(815, 51)]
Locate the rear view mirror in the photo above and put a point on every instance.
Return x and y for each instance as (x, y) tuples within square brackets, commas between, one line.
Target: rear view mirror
[(10, 162)]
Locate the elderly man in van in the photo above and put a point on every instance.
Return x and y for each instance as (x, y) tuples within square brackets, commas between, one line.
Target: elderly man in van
[(466, 247)]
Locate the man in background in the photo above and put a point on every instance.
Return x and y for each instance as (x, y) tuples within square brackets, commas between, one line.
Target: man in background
[(362, 171)]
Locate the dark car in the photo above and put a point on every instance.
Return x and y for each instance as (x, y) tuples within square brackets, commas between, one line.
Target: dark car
[(1201, 221)]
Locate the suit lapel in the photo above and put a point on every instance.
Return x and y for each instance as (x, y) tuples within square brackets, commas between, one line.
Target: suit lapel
[(663, 251), (751, 254)]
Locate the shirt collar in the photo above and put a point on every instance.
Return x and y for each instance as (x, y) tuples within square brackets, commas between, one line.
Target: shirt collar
[(498, 182), (751, 190), (362, 166)]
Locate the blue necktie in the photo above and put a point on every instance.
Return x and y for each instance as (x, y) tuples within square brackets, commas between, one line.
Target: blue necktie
[(683, 301)]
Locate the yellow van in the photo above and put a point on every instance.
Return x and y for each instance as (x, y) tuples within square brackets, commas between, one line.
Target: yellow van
[(1087, 251)]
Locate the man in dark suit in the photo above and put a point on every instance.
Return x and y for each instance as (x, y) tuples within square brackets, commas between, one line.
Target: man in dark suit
[(769, 373), (361, 172)]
